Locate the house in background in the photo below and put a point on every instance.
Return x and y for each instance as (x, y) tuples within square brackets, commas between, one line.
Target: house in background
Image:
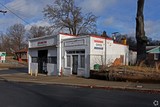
[(21, 55), (2, 57), (153, 53)]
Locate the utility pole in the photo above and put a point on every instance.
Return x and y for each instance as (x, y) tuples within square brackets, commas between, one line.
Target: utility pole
[(2, 11)]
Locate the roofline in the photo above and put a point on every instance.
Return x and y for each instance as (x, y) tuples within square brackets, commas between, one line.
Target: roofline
[(66, 34), (97, 36), (120, 44), (106, 38), (32, 39), (150, 51), (38, 47)]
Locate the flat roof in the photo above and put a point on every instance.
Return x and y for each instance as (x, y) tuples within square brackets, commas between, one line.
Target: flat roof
[(42, 37), (65, 34)]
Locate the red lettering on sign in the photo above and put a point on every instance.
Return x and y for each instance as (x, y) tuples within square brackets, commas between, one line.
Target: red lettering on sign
[(98, 41)]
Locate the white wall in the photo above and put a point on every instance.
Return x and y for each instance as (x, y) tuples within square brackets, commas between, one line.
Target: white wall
[(78, 43), (120, 49), (34, 47), (52, 69), (32, 66), (60, 39), (111, 49), (43, 41)]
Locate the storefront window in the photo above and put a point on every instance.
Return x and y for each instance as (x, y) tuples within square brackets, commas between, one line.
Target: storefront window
[(68, 61), (52, 60), (76, 52), (82, 61), (34, 60)]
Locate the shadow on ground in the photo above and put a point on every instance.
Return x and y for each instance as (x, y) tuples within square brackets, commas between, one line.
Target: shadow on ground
[(13, 70)]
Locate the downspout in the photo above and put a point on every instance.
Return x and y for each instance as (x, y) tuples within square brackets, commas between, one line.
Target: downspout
[(105, 53)]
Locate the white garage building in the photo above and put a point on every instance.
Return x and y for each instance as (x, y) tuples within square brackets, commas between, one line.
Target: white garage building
[(66, 54)]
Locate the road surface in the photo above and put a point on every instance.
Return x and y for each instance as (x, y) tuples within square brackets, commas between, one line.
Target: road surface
[(14, 94)]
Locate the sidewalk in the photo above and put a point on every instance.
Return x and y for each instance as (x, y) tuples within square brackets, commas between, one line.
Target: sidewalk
[(19, 76)]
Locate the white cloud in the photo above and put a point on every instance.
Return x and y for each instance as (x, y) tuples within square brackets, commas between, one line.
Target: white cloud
[(109, 21), (152, 29), (31, 11), (118, 25), (28, 8), (96, 6), (38, 23)]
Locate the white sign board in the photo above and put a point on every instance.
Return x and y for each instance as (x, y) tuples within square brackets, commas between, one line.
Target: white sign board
[(98, 44), (2, 56), (76, 42)]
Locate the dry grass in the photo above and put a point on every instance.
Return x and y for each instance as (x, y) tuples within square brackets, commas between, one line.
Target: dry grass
[(130, 73), (142, 69), (11, 63)]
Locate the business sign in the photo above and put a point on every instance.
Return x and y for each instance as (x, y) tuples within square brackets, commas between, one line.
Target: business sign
[(98, 44), (76, 42), (42, 43), (2, 56), (2, 53)]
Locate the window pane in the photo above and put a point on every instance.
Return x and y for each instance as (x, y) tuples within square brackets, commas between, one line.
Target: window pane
[(82, 59), (52, 60), (34, 60), (156, 56), (74, 52), (68, 61)]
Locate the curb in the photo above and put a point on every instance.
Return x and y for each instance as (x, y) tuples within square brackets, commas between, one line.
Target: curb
[(132, 89), (112, 88)]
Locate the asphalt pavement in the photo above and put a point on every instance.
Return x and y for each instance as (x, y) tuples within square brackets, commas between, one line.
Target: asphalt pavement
[(17, 94)]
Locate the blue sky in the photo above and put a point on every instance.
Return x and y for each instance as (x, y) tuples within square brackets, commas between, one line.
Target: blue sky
[(114, 15)]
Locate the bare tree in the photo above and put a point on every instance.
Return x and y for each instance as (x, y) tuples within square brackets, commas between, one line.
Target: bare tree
[(140, 33), (64, 14), (17, 35), (5, 43), (38, 31)]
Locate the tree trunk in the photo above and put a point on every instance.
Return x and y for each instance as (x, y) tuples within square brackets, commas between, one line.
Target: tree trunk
[(140, 33)]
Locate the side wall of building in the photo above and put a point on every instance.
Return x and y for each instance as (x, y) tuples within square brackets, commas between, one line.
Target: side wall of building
[(105, 52)]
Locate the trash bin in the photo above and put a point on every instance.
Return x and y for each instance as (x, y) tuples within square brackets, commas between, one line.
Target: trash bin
[(96, 67)]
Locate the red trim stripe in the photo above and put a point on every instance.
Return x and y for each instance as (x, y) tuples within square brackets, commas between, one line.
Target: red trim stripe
[(98, 41)]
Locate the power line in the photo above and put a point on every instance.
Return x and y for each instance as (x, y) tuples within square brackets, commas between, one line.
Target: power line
[(15, 14)]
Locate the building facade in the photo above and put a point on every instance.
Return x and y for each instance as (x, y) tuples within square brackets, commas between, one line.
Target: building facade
[(21, 55), (153, 53), (66, 54)]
